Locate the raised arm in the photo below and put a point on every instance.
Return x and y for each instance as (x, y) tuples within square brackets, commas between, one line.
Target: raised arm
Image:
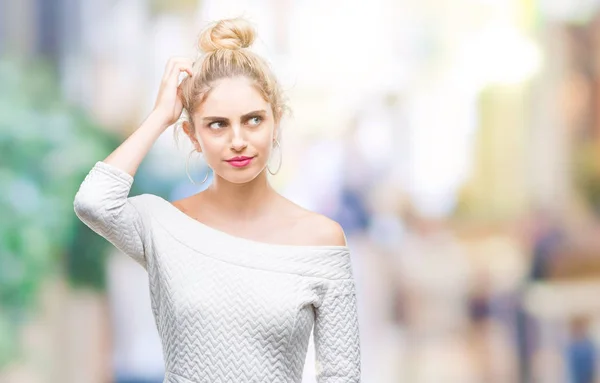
[(129, 155), (102, 201)]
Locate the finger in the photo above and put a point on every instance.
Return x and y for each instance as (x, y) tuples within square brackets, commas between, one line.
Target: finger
[(183, 67), (177, 71), (173, 78), (189, 69), (172, 63)]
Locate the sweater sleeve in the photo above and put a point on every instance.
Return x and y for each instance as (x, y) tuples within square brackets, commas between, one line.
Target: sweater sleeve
[(102, 203), (336, 334)]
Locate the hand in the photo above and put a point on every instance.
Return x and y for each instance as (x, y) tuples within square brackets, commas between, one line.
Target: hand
[(168, 102)]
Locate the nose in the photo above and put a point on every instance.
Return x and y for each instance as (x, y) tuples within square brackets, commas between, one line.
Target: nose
[(238, 141)]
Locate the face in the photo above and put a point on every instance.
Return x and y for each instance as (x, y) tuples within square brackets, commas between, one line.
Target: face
[(234, 129)]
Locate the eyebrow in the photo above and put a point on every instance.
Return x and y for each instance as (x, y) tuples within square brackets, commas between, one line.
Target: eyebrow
[(249, 114)]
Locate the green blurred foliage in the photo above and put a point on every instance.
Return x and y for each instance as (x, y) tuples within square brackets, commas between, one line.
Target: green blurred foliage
[(46, 148)]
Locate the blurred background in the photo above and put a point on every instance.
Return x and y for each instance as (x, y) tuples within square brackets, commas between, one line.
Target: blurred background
[(455, 141)]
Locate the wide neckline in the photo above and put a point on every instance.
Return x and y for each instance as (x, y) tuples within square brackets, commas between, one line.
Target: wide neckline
[(243, 240)]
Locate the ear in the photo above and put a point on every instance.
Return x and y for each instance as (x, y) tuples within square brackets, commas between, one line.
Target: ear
[(190, 132)]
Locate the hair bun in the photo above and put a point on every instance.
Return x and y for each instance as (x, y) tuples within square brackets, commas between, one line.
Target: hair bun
[(230, 34)]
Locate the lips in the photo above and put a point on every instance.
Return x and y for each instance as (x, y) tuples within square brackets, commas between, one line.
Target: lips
[(240, 162)]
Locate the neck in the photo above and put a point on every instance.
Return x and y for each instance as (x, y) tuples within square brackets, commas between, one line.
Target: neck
[(241, 202)]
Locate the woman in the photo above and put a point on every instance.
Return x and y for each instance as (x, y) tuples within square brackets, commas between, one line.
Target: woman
[(239, 275)]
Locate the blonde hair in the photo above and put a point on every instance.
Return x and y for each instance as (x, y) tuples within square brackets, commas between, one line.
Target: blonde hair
[(224, 53)]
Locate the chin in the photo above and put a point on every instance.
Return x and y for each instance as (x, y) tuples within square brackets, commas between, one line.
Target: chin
[(240, 176)]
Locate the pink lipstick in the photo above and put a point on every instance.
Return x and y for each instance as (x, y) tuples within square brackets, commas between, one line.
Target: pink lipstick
[(240, 162)]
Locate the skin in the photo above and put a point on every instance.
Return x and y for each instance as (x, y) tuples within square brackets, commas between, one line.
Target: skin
[(234, 120)]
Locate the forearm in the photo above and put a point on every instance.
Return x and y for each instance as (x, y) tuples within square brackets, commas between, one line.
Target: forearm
[(130, 154)]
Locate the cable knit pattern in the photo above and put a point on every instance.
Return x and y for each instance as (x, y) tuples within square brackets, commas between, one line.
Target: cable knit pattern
[(229, 309)]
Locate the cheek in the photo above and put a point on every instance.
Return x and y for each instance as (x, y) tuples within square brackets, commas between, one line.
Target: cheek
[(263, 139), (209, 144)]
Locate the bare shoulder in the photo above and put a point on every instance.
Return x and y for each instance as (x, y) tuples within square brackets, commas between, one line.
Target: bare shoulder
[(181, 204), (325, 231), (316, 229), (185, 204)]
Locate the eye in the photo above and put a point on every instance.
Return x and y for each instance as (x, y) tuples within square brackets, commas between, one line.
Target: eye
[(215, 125), (255, 120)]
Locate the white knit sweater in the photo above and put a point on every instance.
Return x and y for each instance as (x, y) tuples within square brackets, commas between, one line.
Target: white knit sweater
[(229, 309)]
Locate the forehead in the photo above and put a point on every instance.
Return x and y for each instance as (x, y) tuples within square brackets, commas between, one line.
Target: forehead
[(231, 97)]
